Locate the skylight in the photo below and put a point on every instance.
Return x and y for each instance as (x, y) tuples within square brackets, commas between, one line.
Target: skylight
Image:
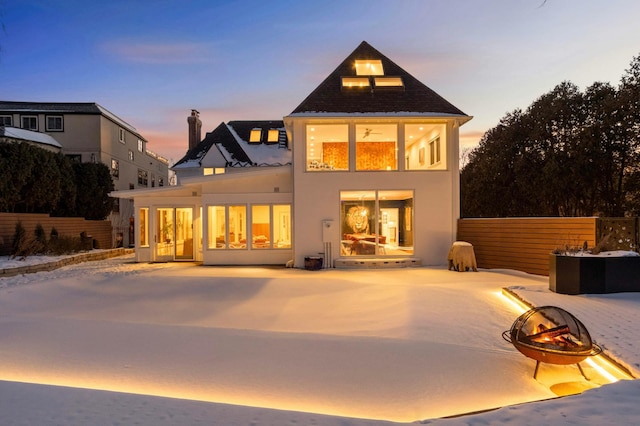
[(255, 135), (388, 82), (355, 82), (273, 135), (369, 67)]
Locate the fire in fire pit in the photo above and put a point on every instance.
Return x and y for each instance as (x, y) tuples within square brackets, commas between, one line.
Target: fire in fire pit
[(552, 335)]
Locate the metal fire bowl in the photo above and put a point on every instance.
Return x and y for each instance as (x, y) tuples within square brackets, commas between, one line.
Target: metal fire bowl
[(551, 356)]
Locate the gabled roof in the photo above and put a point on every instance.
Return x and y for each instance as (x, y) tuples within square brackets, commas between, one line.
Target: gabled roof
[(232, 141), (414, 98)]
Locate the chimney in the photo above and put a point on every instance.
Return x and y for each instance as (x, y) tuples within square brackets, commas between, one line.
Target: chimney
[(195, 127)]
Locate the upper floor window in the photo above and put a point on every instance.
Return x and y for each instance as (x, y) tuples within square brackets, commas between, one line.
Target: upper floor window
[(273, 135), (143, 177), (327, 147), (121, 134), (140, 146), (30, 122), (6, 120), (54, 123), (355, 82), (160, 181), (255, 136), (423, 148), (376, 147), (388, 83), (369, 67), (131, 155)]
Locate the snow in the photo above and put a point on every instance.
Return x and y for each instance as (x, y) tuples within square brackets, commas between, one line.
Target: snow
[(29, 135), (119, 342)]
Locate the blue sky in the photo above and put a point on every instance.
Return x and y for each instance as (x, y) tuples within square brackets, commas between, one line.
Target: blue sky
[(151, 62)]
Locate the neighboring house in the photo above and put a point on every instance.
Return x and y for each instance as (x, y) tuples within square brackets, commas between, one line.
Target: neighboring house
[(88, 132), (41, 140), (366, 175)]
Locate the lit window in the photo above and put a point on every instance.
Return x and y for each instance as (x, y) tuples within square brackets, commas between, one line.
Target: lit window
[(260, 227), (388, 82), (30, 122), (376, 223), (140, 146), (54, 123), (219, 170), (121, 135), (423, 149), (6, 120), (143, 219), (355, 82), (376, 147), (216, 227), (273, 135), (207, 171), (327, 147), (115, 168), (369, 67), (255, 135), (237, 227)]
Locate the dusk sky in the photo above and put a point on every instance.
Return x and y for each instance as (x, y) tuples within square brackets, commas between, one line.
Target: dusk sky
[(151, 62)]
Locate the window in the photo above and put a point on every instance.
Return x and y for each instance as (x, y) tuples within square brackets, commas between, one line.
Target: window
[(143, 177), (160, 181), (207, 171), (327, 147), (369, 67), (376, 147), (423, 147), (54, 123), (270, 227), (388, 82), (237, 227), (6, 120), (143, 227), (30, 122), (115, 168), (130, 155), (273, 135), (216, 227), (140, 146), (376, 223), (121, 135), (255, 135), (260, 227), (355, 82), (153, 180)]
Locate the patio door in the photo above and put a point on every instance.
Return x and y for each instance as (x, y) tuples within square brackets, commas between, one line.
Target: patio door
[(174, 234)]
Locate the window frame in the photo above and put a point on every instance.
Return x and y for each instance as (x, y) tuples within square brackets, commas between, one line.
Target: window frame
[(122, 138), (50, 128), (115, 168), (29, 117), (143, 177), (6, 120)]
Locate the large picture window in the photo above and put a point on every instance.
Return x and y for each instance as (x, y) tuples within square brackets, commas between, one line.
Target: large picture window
[(376, 223), (425, 147), (376, 147), (327, 147), (270, 227)]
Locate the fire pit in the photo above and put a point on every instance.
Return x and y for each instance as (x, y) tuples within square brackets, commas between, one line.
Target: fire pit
[(552, 335)]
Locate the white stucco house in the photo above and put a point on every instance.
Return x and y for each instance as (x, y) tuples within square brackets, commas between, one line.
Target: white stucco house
[(364, 172)]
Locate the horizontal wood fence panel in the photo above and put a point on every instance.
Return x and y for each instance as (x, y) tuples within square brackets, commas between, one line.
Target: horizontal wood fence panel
[(524, 244), (99, 230)]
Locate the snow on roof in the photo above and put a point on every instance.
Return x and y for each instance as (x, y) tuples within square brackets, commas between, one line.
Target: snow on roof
[(29, 135), (263, 154)]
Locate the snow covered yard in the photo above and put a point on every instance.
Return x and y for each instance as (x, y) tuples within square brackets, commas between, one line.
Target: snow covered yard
[(176, 344)]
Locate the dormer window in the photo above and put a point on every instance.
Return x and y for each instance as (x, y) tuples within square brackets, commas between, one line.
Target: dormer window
[(273, 135), (369, 67), (255, 136), (388, 82), (362, 82)]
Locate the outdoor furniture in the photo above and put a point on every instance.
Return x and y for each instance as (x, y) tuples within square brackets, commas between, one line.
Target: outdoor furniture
[(462, 257)]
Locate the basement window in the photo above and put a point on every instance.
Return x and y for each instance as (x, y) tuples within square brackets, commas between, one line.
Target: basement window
[(369, 67)]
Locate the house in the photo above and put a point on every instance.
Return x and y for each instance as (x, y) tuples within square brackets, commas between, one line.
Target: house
[(41, 140), (88, 132), (364, 172)]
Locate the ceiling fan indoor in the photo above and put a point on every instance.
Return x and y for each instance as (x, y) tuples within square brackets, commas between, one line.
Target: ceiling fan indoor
[(368, 132)]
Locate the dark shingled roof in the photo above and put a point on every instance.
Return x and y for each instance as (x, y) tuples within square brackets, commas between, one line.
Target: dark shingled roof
[(220, 135), (60, 107), (329, 97)]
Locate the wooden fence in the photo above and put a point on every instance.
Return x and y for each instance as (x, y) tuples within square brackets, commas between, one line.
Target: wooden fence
[(100, 230), (524, 244)]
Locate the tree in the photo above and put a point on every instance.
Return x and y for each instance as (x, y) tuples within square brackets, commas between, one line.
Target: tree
[(93, 183)]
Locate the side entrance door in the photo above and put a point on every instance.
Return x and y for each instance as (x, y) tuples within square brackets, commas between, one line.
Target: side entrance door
[(174, 234)]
